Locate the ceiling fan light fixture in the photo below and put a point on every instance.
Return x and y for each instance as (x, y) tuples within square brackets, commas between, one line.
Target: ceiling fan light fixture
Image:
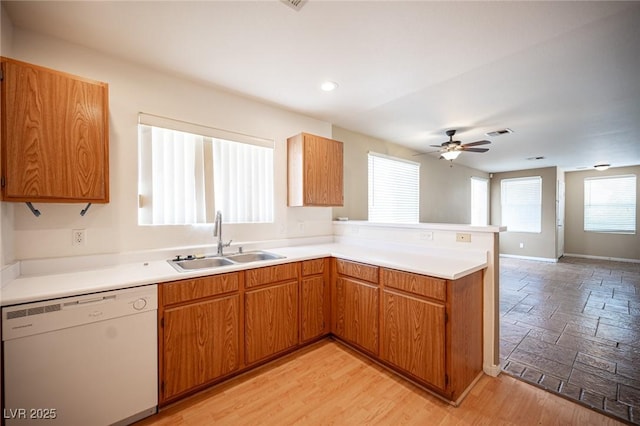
[(450, 155), (601, 167)]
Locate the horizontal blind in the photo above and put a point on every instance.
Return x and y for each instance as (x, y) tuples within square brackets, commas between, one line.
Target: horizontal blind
[(521, 201), (394, 186), (610, 204)]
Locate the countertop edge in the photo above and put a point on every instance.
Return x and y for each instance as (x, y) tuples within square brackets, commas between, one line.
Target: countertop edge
[(29, 289)]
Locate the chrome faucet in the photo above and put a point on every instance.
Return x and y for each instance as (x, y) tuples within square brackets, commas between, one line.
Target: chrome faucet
[(217, 232)]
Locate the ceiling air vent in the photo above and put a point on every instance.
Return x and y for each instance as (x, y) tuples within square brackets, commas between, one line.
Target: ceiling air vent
[(499, 132), (294, 4)]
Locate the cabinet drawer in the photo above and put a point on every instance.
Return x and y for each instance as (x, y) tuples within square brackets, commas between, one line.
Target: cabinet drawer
[(312, 267), (198, 288), (357, 270), (422, 285), (271, 274)]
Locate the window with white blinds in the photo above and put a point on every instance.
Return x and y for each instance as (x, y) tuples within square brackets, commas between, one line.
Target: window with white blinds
[(521, 201), (394, 189), (186, 174), (479, 201), (610, 204)]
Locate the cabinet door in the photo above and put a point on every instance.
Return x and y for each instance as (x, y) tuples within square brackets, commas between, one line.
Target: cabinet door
[(316, 170), (55, 136), (414, 337), (200, 344), (356, 313), (271, 320), (315, 303), (323, 168), (335, 172)]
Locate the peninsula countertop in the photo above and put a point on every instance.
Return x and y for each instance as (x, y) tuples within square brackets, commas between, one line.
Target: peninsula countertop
[(446, 264)]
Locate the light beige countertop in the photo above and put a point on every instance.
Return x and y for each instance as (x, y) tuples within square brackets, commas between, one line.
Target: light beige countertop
[(447, 264)]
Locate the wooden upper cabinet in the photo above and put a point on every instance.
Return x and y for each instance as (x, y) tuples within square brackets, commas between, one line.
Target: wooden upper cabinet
[(55, 136), (315, 171)]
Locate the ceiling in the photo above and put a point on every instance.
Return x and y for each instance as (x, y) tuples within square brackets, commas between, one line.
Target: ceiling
[(565, 76)]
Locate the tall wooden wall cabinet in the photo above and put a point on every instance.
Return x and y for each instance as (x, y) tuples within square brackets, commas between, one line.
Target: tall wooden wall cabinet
[(55, 136), (315, 171)]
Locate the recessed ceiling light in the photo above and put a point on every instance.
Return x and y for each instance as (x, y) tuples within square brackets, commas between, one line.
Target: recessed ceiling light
[(329, 86), (601, 167)]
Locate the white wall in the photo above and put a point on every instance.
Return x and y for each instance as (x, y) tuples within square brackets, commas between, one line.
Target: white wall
[(113, 227)]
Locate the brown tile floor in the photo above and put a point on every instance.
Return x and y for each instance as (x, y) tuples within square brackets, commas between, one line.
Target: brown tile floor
[(573, 327)]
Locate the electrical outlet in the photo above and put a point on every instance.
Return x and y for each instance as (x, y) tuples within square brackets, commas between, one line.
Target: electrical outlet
[(463, 238), (426, 235), (78, 237)]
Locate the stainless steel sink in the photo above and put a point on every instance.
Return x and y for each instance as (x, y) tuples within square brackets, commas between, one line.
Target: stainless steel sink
[(191, 263), (207, 262), (253, 256)]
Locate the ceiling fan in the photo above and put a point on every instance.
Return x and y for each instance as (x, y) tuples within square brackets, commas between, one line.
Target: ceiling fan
[(451, 149)]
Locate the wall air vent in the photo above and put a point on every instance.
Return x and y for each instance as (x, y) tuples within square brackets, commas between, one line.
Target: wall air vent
[(294, 4), (499, 132)]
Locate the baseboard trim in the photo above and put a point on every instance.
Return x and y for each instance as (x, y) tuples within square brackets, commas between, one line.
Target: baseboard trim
[(614, 259), (491, 370), (539, 259)]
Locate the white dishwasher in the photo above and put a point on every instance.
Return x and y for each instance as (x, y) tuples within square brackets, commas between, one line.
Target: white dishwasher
[(84, 360)]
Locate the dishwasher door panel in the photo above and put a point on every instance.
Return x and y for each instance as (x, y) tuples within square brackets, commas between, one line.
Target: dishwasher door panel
[(92, 374)]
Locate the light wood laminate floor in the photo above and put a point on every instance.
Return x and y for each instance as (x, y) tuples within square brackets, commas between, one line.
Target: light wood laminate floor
[(329, 384)]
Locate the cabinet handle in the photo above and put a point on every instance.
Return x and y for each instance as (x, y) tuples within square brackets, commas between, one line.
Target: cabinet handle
[(35, 211)]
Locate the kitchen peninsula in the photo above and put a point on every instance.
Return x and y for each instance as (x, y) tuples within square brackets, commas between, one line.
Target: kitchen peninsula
[(400, 280)]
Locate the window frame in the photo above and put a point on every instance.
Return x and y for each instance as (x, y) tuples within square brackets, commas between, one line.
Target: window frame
[(612, 230), (486, 206), (210, 138)]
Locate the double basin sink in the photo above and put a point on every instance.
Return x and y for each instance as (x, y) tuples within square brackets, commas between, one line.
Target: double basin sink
[(194, 263)]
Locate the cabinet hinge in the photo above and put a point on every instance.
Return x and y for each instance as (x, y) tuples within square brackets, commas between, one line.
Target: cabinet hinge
[(446, 379), (162, 322), (2, 181), (1, 75), (446, 317), (162, 387)]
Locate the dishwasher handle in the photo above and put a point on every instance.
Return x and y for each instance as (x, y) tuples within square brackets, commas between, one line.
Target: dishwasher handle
[(90, 301)]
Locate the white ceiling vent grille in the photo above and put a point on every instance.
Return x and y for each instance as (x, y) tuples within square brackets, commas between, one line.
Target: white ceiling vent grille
[(294, 4), (499, 132)]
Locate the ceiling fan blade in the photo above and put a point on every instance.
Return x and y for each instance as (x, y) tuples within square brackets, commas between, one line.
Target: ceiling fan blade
[(475, 149), (436, 146), (425, 153), (476, 143)]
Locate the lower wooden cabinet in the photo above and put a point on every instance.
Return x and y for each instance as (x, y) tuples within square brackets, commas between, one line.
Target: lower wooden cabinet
[(200, 344), (432, 329), (414, 337), (355, 315), (426, 328), (314, 300), (271, 320)]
